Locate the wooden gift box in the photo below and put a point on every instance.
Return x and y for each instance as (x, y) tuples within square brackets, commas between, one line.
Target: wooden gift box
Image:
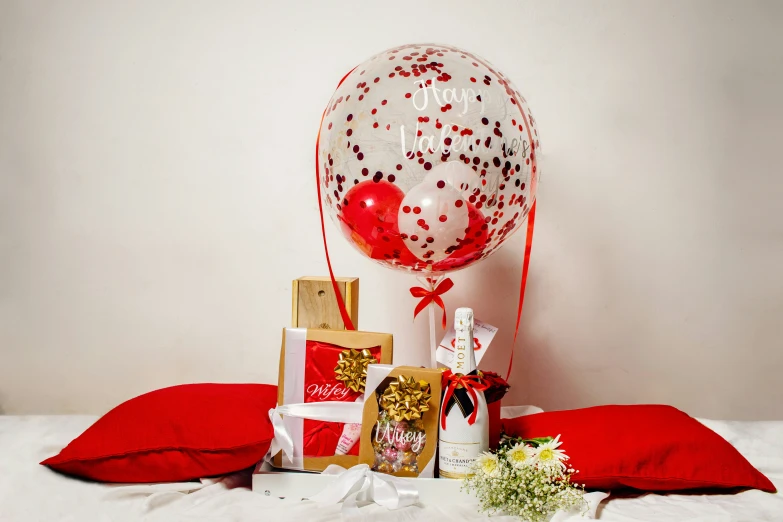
[(314, 304), (346, 339)]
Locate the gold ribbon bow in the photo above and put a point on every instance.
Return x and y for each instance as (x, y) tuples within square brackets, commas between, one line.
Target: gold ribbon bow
[(406, 398), (351, 368)]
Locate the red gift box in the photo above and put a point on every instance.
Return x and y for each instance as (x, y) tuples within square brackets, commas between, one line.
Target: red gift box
[(307, 375), (320, 385)]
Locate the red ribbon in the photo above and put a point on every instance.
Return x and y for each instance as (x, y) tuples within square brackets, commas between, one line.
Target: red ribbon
[(430, 296), (340, 303), (531, 221), (472, 383), (476, 343)]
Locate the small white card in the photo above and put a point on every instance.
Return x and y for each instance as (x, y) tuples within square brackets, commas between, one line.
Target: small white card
[(483, 334)]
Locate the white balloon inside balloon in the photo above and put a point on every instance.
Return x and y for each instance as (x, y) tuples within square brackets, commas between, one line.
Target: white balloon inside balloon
[(433, 218), (458, 175)]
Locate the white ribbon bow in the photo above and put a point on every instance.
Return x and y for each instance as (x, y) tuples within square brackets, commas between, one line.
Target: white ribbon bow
[(360, 485)]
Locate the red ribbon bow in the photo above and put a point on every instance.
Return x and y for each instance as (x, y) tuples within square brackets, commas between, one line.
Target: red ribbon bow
[(472, 383), (429, 296)]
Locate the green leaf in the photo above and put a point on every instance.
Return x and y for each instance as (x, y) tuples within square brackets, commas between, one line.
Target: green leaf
[(537, 441)]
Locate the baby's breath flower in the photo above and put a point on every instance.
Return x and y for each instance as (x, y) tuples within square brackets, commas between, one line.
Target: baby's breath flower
[(517, 481)]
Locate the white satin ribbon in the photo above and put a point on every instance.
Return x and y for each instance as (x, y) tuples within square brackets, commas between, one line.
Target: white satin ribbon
[(360, 485), (282, 441), (346, 412), (335, 411)]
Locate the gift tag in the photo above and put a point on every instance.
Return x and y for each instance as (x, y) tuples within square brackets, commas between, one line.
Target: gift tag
[(483, 334)]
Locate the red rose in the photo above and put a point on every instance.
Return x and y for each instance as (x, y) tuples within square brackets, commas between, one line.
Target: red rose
[(497, 386)]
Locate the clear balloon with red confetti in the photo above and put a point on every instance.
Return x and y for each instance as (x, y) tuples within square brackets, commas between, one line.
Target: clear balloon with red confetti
[(427, 158)]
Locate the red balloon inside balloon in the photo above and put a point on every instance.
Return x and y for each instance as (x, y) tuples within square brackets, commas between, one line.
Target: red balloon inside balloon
[(368, 219)]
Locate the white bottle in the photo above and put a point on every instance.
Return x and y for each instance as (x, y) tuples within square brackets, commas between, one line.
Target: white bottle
[(461, 443)]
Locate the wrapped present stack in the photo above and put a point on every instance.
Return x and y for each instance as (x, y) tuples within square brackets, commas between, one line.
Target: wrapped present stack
[(344, 407)]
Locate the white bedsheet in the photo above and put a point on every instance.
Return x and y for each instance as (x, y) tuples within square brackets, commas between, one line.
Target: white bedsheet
[(30, 492)]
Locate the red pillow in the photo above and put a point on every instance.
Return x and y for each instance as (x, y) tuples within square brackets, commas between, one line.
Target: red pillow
[(175, 434), (646, 447)]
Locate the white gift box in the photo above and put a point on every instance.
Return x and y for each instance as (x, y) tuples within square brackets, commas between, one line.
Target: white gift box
[(300, 485)]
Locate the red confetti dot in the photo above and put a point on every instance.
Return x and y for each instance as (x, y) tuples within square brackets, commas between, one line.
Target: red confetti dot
[(414, 237), (442, 219), (441, 184), (407, 95), (399, 167), (458, 203), (349, 117), (349, 132), (416, 210), (383, 102), (406, 209)]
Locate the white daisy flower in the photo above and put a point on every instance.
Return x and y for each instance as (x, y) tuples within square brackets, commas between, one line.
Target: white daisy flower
[(548, 456), (521, 455), (488, 464)]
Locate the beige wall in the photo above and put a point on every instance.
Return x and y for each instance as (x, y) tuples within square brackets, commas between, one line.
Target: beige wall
[(156, 195)]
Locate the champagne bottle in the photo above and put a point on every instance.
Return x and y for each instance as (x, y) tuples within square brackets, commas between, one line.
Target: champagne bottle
[(460, 443)]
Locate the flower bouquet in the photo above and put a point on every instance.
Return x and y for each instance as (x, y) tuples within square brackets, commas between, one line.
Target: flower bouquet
[(527, 478)]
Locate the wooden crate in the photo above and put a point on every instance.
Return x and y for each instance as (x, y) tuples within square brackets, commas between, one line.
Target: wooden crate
[(314, 304)]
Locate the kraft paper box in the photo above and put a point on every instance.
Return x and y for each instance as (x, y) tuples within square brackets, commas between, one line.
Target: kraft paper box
[(400, 420), (308, 360)]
